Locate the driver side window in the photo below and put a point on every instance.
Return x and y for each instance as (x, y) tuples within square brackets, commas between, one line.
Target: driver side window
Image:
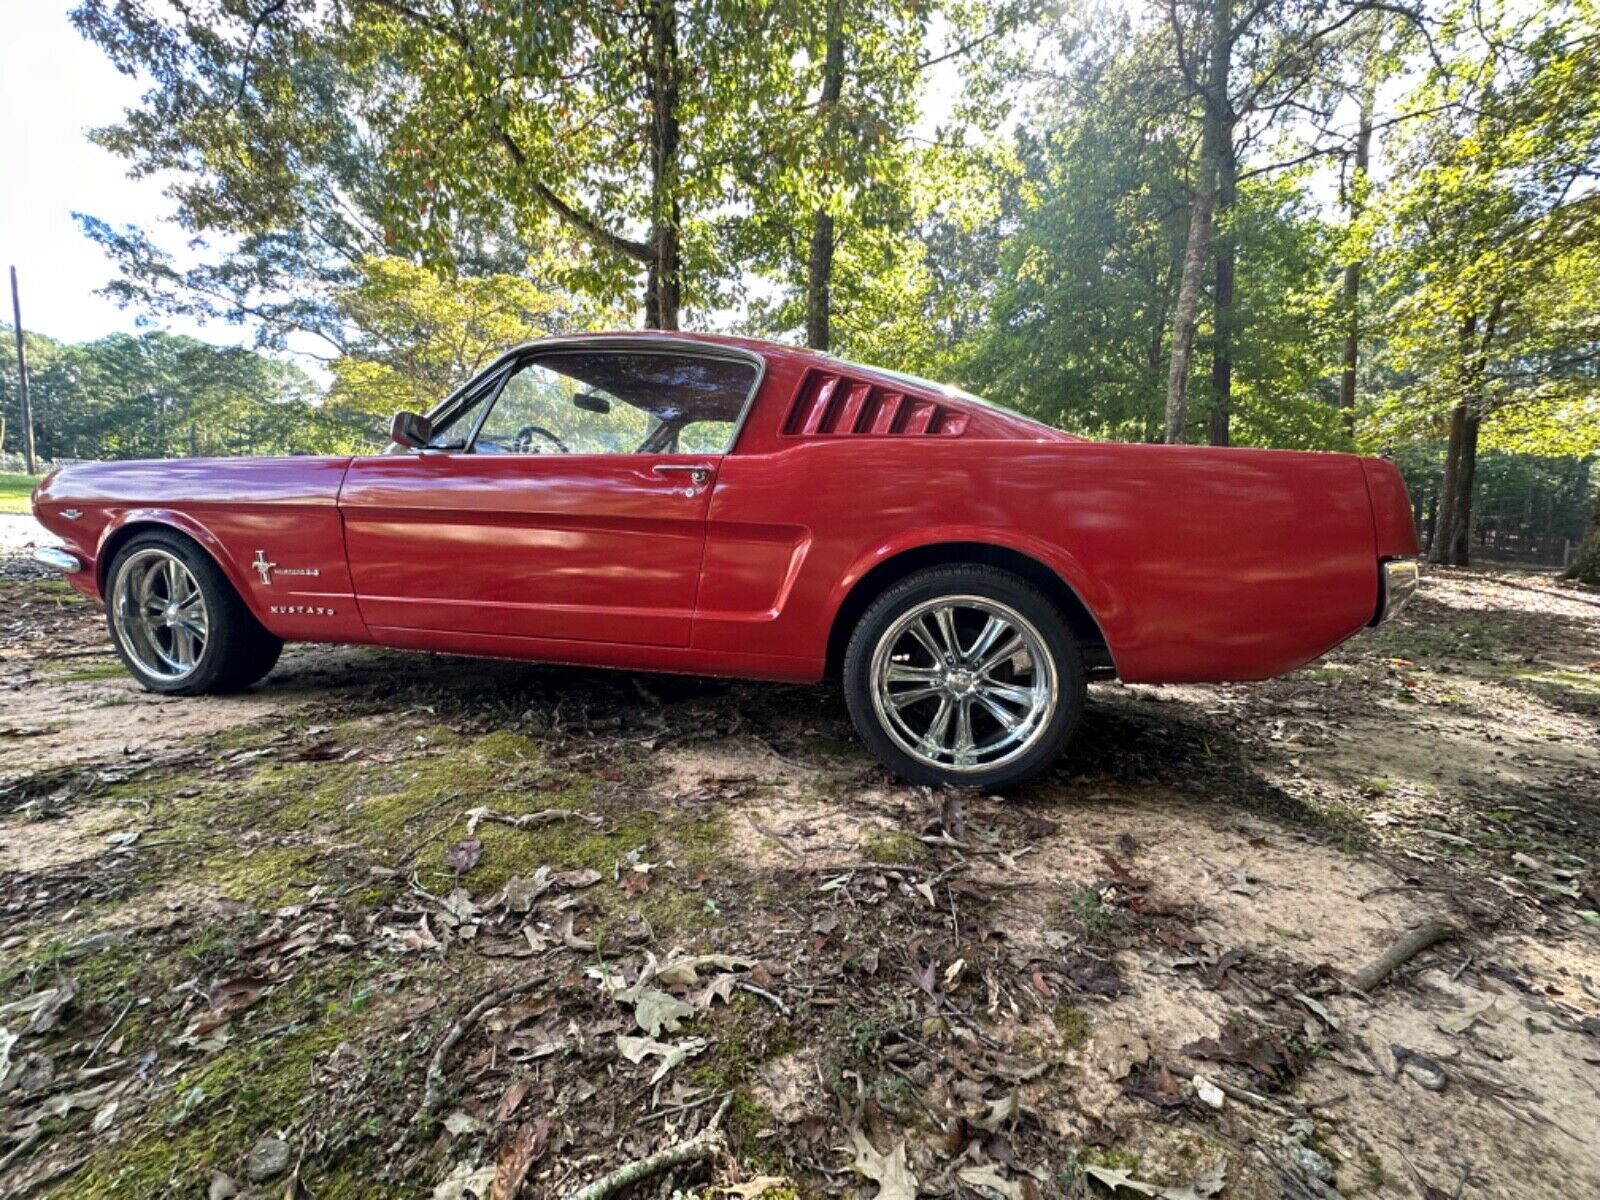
[(618, 402), (543, 411)]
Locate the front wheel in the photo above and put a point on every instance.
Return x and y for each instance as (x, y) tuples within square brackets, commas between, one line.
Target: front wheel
[(965, 676), (176, 622)]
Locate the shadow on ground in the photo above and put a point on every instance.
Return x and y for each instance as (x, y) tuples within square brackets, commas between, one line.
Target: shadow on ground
[(395, 924)]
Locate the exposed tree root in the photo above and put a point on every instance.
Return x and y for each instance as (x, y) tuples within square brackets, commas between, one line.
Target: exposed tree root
[(1430, 933), (702, 1146)]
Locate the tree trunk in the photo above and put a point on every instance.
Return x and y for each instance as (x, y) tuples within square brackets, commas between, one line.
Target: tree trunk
[(819, 262), (1456, 534), (664, 281), (1585, 566), (1444, 511), (1352, 271), (819, 282), (1198, 248), (1458, 546), (1222, 343)]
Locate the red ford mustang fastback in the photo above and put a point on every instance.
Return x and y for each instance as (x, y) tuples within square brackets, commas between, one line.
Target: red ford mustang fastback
[(670, 502)]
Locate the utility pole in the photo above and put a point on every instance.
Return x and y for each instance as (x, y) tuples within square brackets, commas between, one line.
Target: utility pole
[(29, 464)]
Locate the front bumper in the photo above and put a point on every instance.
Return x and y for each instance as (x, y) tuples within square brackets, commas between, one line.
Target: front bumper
[(61, 560), (1397, 583)]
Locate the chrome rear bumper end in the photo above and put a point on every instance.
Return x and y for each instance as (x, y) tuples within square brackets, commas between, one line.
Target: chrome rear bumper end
[(1397, 583)]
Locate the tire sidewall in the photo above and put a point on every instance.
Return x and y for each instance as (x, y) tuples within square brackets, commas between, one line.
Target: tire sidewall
[(994, 584)]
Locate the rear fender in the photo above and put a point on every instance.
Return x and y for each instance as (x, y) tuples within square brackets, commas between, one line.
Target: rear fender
[(1095, 596)]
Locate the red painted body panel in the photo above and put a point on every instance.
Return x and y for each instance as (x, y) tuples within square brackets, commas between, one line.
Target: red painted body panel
[(1196, 564), (1394, 525), (286, 507), (574, 547)]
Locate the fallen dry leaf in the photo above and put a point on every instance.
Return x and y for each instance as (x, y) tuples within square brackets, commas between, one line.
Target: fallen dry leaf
[(988, 1181), (51, 1004), (889, 1171), (637, 1049), (464, 1182), (656, 1011), (511, 1101), (755, 1188), (463, 856), (421, 938), (685, 971), (1120, 1180), (999, 1112), (517, 1156), (228, 999)]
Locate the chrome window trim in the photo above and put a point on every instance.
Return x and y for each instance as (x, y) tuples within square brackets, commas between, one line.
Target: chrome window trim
[(513, 359), (464, 396)]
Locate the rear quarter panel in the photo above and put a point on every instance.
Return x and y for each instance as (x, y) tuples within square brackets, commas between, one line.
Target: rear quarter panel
[(284, 507), (1199, 564), (1394, 524)]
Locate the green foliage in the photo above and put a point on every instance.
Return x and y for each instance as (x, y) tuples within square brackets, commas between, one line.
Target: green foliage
[(417, 335), (1082, 296), (995, 194), (1093, 224), (159, 396), (1486, 238)]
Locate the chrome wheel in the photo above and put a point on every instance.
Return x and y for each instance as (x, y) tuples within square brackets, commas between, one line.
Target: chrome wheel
[(963, 683), (160, 614)]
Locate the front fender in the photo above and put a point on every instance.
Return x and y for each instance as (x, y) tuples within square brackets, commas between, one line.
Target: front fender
[(119, 527)]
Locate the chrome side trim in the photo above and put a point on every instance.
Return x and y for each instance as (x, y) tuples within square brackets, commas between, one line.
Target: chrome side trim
[(54, 556)]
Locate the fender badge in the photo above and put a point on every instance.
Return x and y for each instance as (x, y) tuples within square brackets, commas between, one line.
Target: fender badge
[(266, 568), (306, 610)]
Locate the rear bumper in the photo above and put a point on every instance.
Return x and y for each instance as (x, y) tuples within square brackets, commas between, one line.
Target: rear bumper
[(1397, 582)]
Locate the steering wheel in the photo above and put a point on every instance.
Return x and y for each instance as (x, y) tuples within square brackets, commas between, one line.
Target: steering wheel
[(525, 436)]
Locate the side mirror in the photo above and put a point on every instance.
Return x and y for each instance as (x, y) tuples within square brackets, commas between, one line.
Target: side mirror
[(589, 402), (410, 430)]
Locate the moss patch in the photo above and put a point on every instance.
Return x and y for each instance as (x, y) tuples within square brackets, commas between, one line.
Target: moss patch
[(215, 1109), (1073, 1025), (891, 846), (85, 670)]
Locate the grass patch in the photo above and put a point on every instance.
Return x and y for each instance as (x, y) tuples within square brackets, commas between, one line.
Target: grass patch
[(16, 491)]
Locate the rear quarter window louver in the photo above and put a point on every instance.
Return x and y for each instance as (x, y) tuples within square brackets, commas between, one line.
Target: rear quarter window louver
[(829, 405)]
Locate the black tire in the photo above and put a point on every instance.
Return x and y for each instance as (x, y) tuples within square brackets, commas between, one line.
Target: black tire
[(237, 650), (984, 584)]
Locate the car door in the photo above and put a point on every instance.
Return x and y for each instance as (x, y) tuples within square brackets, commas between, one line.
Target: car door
[(566, 501)]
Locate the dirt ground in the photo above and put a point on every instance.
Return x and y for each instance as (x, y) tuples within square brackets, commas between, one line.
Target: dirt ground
[(398, 925)]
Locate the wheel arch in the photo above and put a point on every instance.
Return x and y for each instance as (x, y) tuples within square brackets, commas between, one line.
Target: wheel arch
[(138, 521), (1097, 658)]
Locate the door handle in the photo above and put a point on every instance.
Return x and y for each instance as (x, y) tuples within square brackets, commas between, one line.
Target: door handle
[(699, 473)]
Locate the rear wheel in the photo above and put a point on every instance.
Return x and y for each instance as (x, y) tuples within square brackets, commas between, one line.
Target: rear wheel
[(176, 622), (966, 676)]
